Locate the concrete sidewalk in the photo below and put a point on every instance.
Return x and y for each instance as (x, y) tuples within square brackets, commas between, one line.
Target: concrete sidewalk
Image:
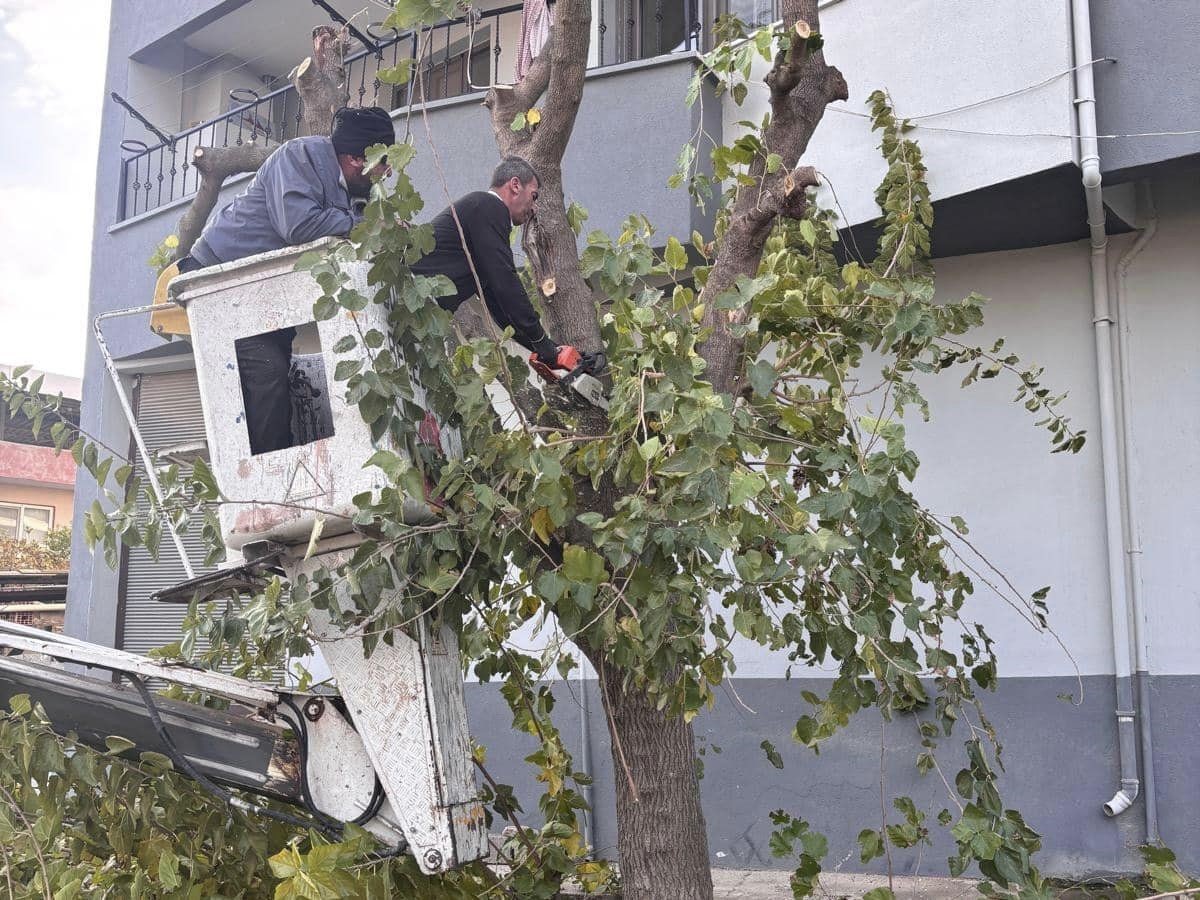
[(758, 884), (741, 884)]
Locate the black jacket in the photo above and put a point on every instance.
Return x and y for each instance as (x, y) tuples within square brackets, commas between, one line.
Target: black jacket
[(487, 227)]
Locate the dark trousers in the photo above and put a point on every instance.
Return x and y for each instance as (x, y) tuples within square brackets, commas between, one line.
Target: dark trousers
[(264, 361)]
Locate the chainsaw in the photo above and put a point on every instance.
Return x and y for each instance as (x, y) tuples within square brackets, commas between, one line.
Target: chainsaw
[(582, 371)]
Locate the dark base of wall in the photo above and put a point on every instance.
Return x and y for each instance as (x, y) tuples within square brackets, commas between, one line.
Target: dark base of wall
[(1060, 763)]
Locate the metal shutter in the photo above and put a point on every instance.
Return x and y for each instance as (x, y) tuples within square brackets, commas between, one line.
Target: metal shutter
[(168, 414)]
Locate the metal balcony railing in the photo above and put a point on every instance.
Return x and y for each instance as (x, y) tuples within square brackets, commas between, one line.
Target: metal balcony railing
[(462, 56)]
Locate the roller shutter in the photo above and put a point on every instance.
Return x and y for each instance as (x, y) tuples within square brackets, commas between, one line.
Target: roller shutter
[(168, 414)]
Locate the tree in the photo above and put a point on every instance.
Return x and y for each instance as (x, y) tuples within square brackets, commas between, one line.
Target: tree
[(731, 488)]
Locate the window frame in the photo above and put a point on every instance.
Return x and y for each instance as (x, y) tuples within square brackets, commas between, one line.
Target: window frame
[(21, 508)]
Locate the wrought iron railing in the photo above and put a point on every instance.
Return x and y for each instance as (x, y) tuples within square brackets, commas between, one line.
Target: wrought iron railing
[(461, 56)]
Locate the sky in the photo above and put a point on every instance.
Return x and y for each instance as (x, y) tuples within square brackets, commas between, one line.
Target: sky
[(52, 55)]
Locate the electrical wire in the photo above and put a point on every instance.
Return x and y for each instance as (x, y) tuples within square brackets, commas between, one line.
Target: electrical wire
[(1017, 92), (377, 794), (329, 828), (1022, 134)]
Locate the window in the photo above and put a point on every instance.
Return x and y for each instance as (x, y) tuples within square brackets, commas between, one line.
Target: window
[(26, 523), (285, 396)]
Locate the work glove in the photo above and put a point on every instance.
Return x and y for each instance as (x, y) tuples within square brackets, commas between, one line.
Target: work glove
[(565, 357)]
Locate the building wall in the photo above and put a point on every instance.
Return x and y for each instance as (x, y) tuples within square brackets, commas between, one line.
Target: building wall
[(1153, 48), (884, 45)]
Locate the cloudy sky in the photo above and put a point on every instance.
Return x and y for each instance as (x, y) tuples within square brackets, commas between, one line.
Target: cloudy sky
[(51, 88)]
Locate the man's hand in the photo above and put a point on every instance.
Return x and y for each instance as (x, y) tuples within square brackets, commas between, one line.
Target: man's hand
[(566, 357)]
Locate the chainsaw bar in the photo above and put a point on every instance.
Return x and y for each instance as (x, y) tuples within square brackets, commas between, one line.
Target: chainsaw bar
[(582, 379)]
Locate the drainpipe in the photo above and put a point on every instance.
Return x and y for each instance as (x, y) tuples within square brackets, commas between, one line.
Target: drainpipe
[(1133, 535), (1089, 163), (585, 759)]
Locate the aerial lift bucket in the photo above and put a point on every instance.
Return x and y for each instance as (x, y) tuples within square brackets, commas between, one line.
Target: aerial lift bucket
[(392, 752)]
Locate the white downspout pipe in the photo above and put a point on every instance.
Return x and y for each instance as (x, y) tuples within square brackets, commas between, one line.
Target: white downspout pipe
[(1133, 548), (1089, 163)]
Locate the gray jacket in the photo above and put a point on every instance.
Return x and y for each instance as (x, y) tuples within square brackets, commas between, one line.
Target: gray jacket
[(297, 196)]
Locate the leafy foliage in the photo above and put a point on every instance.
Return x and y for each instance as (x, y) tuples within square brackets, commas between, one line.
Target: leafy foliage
[(76, 823), (1161, 874), (51, 555)]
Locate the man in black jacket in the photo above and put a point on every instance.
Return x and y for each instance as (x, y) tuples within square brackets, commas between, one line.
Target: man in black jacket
[(487, 219)]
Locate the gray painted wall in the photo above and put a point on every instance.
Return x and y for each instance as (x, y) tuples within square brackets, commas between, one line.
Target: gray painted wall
[(1153, 86), (1059, 758)]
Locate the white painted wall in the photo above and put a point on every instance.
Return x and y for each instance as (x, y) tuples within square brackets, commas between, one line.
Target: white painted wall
[(1163, 317), (154, 91), (206, 89), (935, 55), (1039, 517)]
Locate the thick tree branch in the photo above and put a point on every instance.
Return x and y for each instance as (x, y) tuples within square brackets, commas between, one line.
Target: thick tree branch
[(802, 85), (506, 101), (215, 164), (320, 80), (555, 79), (568, 70)]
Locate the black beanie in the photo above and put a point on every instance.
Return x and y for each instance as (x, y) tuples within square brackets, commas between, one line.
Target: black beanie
[(357, 128)]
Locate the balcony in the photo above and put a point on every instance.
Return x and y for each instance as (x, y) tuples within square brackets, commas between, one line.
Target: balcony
[(463, 57)]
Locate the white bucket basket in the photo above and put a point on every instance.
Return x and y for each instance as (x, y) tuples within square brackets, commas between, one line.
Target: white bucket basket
[(279, 495)]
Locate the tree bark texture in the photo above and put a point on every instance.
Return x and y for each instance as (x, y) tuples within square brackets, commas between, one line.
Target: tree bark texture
[(662, 838), (320, 80), (558, 75), (801, 86), (661, 834)]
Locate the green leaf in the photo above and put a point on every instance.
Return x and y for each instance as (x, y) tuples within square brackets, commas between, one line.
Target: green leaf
[(20, 704), (168, 870), (442, 582), (576, 216), (762, 376), (347, 368), (744, 485), (773, 756), (203, 477), (907, 318), (808, 232), (674, 255), (117, 745), (870, 845), (518, 122), (325, 308), (582, 566), (648, 449), (397, 74), (879, 893)]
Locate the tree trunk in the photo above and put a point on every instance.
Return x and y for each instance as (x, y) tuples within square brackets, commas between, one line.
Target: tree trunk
[(662, 842), (661, 835), (320, 80)]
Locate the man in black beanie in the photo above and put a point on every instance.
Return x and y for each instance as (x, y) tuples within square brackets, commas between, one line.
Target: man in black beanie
[(305, 190)]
